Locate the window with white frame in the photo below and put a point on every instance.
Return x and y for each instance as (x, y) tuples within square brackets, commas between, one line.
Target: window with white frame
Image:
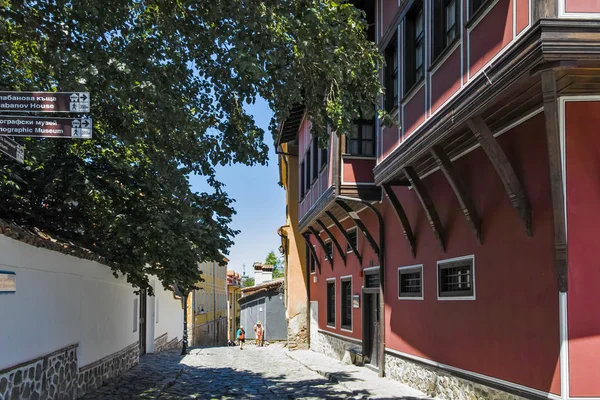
[(353, 238), (331, 302), (328, 249), (410, 282), (346, 307), (456, 278)]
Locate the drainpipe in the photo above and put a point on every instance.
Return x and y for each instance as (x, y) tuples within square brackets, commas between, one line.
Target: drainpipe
[(284, 237), (381, 281)]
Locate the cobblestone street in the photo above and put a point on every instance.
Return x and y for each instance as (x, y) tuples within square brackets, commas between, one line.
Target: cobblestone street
[(223, 373)]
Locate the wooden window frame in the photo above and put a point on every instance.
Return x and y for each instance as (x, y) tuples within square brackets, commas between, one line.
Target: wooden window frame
[(360, 138), (302, 180), (315, 160), (409, 270), (391, 76), (440, 29), (411, 42), (330, 308), (343, 305), (349, 232), (452, 263), (308, 162)]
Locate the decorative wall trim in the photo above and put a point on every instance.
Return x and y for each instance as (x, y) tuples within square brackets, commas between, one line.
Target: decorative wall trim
[(433, 385)]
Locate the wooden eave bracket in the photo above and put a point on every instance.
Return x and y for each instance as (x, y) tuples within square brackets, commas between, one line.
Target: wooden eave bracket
[(359, 224), (401, 214), (322, 243), (343, 231), (464, 198), (341, 252), (549, 91), (512, 185), (428, 206), (306, 236)]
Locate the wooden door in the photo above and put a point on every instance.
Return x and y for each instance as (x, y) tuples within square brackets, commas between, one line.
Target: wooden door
[(142, 330)]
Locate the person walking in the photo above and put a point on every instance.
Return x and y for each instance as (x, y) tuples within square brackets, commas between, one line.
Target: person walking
[(241, 337), (260, 330)]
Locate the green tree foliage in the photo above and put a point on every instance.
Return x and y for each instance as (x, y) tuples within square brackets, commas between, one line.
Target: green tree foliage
[(277, 264), (168, 82), (248, 282)]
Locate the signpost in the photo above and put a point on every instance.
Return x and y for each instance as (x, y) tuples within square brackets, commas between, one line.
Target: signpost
[(80, 128), (45, 102), (12, 149)]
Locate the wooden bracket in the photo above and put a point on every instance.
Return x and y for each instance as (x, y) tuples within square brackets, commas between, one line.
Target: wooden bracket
[(322, 243), (343, 231), (428, 206), (401, 214), (360, 225), (342, 252), (512, 185), (306, 236), (549, 92), (464, 199)]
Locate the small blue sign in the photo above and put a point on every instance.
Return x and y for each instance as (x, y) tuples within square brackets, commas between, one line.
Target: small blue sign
[(8, 282)]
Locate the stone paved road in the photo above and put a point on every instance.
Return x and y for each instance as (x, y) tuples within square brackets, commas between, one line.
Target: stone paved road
[(222, 373)]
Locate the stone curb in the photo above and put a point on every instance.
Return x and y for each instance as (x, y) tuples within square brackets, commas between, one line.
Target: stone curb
[(330, 376)]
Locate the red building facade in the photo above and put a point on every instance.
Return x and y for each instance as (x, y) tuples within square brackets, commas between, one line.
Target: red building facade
[(460, 244)]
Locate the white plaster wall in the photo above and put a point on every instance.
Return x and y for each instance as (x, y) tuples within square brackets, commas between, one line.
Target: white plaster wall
[(169, 312), (63, 300)]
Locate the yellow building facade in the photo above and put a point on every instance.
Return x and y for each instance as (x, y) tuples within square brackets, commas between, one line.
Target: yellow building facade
[(210, 306), (293, 247), (234, 292)]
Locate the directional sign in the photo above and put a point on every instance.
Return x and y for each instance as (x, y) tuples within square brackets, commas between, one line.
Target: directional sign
[(45, 127), (12, 149), (45, 102)]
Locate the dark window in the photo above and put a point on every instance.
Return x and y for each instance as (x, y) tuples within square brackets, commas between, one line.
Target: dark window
[(415, 46), (328, 250), (475, 6), (372, 280), (353, 237), (307, 160), (324, 156), (331, 303), (409, 282), (445, 24), (361, 141), (302, 179), (391, 76), (315, 160), (455, 278), (310, 260), (347, 304)]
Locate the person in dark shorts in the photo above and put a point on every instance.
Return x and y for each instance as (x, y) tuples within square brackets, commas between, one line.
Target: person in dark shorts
[(241, 337)]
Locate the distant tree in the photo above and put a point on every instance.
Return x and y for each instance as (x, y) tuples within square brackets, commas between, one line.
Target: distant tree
[(248, 282), (277, 264)]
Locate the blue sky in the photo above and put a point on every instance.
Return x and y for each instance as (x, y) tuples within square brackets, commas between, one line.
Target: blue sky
[(259, 201)]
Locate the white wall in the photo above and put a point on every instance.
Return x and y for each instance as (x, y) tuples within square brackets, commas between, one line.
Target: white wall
[(63, 300), (165, 315)]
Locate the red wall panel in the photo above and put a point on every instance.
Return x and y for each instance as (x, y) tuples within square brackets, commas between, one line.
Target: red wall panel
[(583, 199), (390, 139), (491, 35), (358, 170), (414, 112), (582, 6), (522, 15), (446, 80), (389, 9), (511, 330)]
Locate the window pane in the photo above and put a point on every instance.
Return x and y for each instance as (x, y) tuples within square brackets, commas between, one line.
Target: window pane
[(367, 148), (450, 14), (419, 24), (368, 132)]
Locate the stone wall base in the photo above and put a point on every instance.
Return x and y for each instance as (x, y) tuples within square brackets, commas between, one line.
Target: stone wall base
[(334, 346), (297, 330), (56, 376), (440, 384)]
